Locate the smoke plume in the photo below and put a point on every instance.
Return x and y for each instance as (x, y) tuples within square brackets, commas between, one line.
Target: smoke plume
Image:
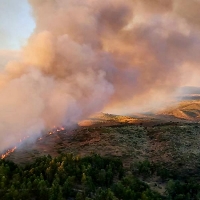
[(87, 56)]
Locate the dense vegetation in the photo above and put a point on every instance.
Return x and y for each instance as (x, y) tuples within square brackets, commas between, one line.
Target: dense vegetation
[(70, 177), (93, 177), (178, 187)]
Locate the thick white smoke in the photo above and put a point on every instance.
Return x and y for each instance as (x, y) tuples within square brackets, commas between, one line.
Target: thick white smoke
[(89, 55)]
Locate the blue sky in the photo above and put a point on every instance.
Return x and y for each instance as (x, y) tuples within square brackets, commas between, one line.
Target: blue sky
[(16, 23)]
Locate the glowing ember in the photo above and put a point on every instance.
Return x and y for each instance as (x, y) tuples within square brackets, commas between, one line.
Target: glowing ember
[(56, 129), (8, 153)]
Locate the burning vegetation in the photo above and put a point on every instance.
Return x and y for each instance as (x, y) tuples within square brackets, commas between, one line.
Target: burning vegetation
[(53, 131)]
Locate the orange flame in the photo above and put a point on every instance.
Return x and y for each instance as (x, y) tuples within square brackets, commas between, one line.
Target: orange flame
[(8, 153)]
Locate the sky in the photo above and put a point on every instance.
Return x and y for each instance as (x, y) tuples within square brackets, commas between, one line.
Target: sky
[(16, 24)]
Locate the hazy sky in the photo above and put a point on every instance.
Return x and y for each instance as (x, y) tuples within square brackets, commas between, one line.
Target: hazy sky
[(16, 23)]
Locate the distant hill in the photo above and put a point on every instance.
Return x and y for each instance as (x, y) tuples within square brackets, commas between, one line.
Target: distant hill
[(188, 107), (188, 110)]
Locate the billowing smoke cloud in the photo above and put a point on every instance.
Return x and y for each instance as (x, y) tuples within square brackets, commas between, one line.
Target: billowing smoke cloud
[(6, 56), (88, 55)]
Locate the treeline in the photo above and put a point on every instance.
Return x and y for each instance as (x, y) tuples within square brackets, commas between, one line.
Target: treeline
[(71, 177), (178, 187), (93, 177)]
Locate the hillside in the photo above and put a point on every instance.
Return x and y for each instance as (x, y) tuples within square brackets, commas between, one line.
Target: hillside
[(173, 144), (170, 139), (188, 110)]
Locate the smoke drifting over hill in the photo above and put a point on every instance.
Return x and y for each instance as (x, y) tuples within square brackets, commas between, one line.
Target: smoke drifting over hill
[(86, 55)]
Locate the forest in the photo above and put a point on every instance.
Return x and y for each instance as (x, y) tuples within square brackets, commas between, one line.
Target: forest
[(93, 177)]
